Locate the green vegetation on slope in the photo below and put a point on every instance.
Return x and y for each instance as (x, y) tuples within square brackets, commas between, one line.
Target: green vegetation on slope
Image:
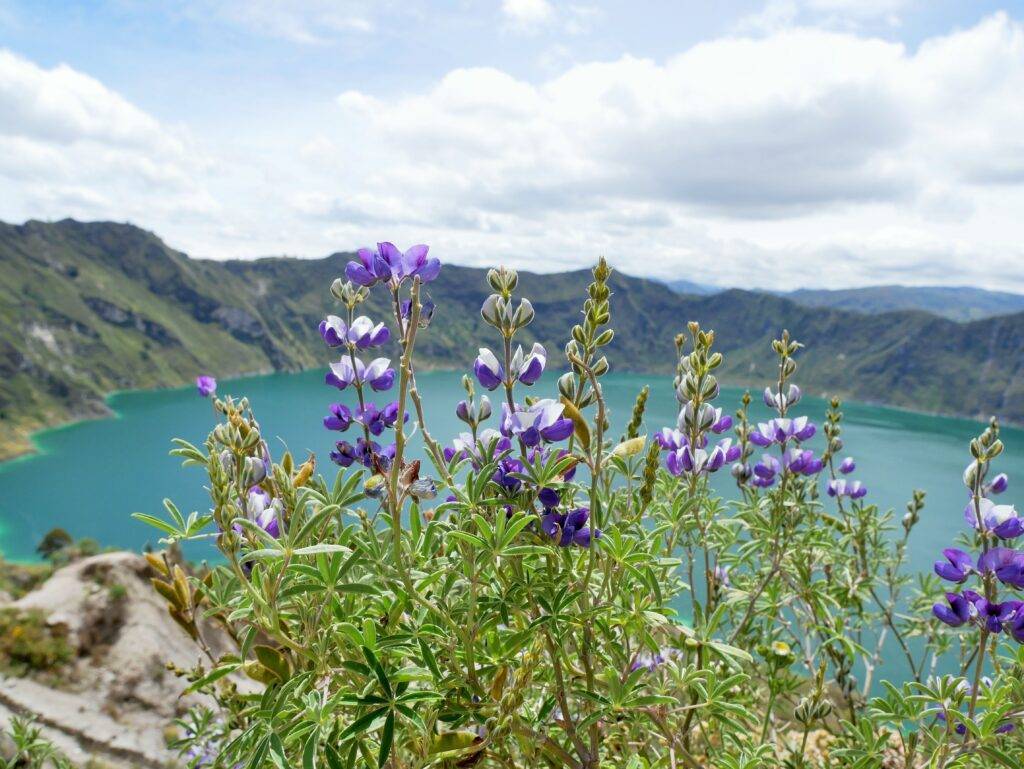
[(953, 302), (87, 308)]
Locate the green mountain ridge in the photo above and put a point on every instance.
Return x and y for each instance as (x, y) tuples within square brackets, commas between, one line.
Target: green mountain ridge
[(88, 308), (953, 302)]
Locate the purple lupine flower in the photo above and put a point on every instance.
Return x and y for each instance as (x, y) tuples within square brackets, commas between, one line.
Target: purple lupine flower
[(994, 615), (961, 728), (341, 374), (569, 474), (369, 416), (340, 417), (541, 421), (1006, 564), (488, 370), (1015, 627), (371, 268), (687, 460), (363, 333), (334, 331), (956, 611), (998, 484), (548, 497), (1001, 520), (344, 454), (389, 414), (263, 511), (529, 367), (956, 567), (721, 423), (763, 435), (413, 263), (651, 662), (504, 477), (206, 385), (731, 448), (798, 428), (767, 468), (843, 488), (426, 311), (569, 528), (721, 575), (670, 439), (795, 459), (466, 448), (779, 401), (377, 374), (847, 466)]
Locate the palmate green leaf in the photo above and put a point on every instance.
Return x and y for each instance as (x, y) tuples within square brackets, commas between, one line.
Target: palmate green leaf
[(429, 660), (155, 522), (386, 739), (363, 724), (309, 752), (323, 547), (471, 539), (214, 675), (378, 670), (259, 754), (729, 652), (333, 758)]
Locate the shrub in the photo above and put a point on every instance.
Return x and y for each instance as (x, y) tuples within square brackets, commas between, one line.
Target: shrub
[(551, 595), (27, 643)]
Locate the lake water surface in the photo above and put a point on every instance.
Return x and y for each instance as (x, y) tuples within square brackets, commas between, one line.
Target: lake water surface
[(89, 477)]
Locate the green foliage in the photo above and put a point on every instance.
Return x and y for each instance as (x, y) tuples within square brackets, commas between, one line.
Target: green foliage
[(29, 749), (28, 644), (385, 629), (54, 541)]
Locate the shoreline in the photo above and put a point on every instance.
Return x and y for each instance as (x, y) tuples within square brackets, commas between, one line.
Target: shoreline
[(34, 448)]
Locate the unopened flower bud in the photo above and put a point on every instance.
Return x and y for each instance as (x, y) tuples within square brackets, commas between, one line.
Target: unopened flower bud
[(567, 385), (524, 314), (483, 411)]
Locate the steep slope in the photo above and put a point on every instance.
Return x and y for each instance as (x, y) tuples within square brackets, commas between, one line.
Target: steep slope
[(86, 308)]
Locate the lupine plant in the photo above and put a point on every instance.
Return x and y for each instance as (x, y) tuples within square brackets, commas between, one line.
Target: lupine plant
[(540, 592)]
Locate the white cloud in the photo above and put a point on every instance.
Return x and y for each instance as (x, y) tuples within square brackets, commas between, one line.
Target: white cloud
[(837, 14), (71, 146), (737, 144), (796, 157), (527, 14)]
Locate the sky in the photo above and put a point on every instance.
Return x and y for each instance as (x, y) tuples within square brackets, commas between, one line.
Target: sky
[(760, 143)]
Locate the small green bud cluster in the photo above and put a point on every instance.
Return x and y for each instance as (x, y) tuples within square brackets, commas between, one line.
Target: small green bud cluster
[(498, 310)]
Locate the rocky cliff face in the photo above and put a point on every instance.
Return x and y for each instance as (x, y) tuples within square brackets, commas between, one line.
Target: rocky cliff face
[(115, 699), (86, 308)]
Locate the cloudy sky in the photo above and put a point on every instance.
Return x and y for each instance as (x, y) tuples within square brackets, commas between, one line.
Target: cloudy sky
[(774, 143)]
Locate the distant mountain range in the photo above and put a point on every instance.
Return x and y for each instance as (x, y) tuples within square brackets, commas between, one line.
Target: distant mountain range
[(953, 302), (88, 308)]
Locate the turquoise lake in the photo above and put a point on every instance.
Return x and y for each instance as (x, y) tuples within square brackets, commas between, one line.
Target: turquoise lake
[(89, 477)]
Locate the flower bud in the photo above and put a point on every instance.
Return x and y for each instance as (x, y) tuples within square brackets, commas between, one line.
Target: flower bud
[(253, 471), (492, 310), (483, 411), (338, 289), (524, 314), (567, 385), (971, 475)]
